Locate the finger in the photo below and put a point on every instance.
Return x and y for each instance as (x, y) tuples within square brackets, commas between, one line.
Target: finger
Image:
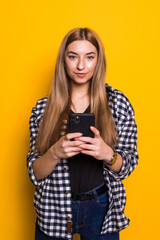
[(95, 131), (71, 154), (69, 136), (87, 147), (72, 143), (86, 139), (66, 144), (72, 149)]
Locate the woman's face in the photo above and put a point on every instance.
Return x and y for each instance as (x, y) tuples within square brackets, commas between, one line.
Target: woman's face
[(80, 61)]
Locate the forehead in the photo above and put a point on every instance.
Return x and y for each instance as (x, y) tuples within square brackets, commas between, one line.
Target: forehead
[(81, 46)]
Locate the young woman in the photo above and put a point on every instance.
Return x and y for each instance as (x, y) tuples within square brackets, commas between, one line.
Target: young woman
[(78, 183)]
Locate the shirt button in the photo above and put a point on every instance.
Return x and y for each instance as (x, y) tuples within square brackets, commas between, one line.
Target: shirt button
[(66, 193), (68, 217), (64, 127), (63, 133), (65, 121), (65, 168)]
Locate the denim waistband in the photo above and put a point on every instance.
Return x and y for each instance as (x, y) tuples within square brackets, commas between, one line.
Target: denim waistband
[(90, 194)]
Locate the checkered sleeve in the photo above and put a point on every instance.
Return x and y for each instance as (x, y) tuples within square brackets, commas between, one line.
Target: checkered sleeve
[(127, 133), (33, 154)]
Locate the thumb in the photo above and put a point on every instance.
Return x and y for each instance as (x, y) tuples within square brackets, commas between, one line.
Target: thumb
[(95, 131)]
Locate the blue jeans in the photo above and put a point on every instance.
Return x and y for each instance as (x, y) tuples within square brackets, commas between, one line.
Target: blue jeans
[(87, 219)]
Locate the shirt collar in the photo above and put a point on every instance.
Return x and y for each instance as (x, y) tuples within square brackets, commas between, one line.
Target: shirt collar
[(109, 88)]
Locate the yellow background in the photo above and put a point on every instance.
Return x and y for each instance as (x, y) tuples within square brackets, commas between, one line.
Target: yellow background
[(31, 33)]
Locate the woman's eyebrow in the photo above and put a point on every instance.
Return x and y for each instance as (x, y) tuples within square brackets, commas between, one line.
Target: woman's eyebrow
[(72, 52), (77, 53), (90, 53)]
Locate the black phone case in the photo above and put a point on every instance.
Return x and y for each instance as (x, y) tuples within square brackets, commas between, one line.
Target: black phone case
[(81, 122)]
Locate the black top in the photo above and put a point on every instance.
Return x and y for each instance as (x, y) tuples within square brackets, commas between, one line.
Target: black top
[(86, 172)]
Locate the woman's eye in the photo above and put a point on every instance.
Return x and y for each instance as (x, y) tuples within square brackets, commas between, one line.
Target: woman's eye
[(72, 57), (90, 57)]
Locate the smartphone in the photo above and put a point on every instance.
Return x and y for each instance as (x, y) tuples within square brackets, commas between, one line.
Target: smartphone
[(81, 122)]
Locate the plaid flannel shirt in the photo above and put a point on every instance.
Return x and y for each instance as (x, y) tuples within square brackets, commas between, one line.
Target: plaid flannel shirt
[(52, 199)]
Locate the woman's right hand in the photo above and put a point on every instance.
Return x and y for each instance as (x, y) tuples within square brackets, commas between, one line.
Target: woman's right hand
[(64, 148)]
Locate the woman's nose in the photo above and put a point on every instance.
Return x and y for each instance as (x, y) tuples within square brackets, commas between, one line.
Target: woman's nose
[(80, 64)]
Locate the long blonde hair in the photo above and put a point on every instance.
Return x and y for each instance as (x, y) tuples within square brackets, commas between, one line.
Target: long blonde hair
[(59, 99)]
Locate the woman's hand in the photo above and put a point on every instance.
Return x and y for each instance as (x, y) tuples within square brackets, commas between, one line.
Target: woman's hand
[(96, 147), (64, 148)]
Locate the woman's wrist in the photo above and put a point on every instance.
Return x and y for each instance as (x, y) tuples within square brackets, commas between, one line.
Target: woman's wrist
[(109, 155), (53, 154), (116, 163)]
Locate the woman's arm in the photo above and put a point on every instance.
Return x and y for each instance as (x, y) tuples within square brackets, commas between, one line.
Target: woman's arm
[(116, 167), (39, 167), (44, 165), (100, 150), (127, 134), (64, 148)]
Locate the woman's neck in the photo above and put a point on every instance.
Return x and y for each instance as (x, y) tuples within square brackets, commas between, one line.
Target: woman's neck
[(80, 89), (80, 98)]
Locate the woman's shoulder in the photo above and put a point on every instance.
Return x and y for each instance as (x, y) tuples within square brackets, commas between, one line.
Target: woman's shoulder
[(38, 109), (41, 103), (119, 100), (115, 92)]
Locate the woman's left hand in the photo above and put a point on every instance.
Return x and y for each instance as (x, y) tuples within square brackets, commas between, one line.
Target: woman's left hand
[(96, 147)]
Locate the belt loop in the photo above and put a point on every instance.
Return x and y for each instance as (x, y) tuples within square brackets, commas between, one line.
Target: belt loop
[(95, 194)]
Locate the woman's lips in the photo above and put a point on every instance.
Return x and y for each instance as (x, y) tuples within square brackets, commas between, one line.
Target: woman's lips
[(81, 74)]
